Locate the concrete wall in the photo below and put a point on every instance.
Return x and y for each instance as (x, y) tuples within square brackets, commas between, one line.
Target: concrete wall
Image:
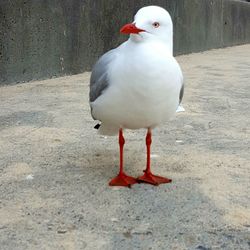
[(45, 38)]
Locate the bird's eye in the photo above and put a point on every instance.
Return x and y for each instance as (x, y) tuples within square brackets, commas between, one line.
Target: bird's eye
[(156, 24)]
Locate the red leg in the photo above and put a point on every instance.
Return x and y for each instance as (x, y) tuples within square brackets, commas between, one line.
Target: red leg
[(122, 179), (148, 177)]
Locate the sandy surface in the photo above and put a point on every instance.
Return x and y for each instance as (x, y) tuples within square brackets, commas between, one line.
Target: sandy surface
[(54, 168)]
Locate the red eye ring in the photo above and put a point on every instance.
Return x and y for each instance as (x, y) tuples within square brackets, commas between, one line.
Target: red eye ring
[(156, 24)]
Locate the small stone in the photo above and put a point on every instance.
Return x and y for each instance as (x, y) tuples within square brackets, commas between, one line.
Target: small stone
[(61, 231), (154, 155), (203, 248), (127, 234), (29, 177), (179, 141), (114, 219), (188, 127)]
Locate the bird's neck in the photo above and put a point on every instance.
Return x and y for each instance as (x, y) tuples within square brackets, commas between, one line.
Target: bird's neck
[(156, 44), (167, 41)]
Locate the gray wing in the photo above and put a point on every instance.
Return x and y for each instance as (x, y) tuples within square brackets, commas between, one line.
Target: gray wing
[(99, 77)]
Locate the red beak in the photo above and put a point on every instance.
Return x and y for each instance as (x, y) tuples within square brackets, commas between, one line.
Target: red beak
[(130, 28)]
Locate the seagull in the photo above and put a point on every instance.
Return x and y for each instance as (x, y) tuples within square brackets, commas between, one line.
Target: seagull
[(137, 85)]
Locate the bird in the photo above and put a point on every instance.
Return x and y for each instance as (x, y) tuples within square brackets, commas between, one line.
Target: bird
[(138, 85)]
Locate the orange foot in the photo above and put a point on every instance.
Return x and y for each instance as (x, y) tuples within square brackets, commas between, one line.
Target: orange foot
[(123, 180), (149, 178)]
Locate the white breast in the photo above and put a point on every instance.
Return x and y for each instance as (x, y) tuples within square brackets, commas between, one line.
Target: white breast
[(144, 89)]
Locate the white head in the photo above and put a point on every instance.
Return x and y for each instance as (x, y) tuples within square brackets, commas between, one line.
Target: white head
[(151, 23)]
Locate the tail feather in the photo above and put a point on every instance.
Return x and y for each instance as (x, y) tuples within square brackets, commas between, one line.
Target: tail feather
[(97, 126)]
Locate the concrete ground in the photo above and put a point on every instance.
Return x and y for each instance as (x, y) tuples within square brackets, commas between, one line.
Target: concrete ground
[(54, 168)]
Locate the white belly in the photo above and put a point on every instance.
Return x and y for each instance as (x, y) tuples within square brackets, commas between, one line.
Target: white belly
[(136, 107)]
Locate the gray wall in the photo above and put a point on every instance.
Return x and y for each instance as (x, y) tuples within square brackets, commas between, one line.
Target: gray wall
[(41, 39)]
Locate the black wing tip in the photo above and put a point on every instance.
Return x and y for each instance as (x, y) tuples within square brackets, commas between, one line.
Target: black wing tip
[(97, 126), (181, 94)]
